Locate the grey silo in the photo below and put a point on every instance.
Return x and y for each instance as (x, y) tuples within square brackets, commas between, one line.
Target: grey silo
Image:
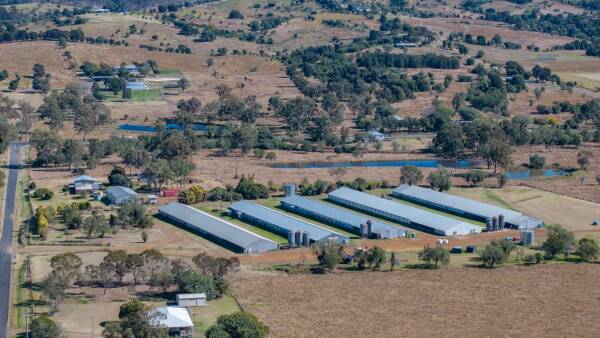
[(290, 238), (528, 237), (488, 224), (289, 189), (369, 228), (494, 223), (501, 222), (305, 238), (364, 230), (298, 238)]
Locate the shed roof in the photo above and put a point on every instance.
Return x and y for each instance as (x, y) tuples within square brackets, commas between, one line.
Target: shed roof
[(84, 178), (203, 221), (282, 220), (191, 295), (174, 317), (455, 202), (120, 191), (414, 215), (339, 214)]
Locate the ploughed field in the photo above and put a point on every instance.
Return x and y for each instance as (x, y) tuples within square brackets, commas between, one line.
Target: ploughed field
[(546, 300)]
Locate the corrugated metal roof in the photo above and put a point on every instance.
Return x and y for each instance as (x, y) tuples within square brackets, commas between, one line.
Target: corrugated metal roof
[(411, 214), (120, 191), (287, 222), (454, 202), (208, 223), (344, 216)]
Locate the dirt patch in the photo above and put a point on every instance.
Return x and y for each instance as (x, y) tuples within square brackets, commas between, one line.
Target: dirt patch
[(463, 302)]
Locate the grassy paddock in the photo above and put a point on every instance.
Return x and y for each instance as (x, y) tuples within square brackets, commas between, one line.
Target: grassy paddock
[(205, 316)]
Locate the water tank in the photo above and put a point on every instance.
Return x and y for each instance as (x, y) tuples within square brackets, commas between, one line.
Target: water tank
[(298, 238), (494, 223), (444, 241), (289, 189), (305, 238), (413, 235), (500, 222), (369, 228), (456, 249), (364, 231), (440, 241), (527, 237), (488, 224), (239, 214), (291, 239), (471, 248)]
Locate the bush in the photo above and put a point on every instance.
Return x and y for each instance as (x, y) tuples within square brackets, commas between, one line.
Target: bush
[(537, 162), (238, 324), (43, 194)]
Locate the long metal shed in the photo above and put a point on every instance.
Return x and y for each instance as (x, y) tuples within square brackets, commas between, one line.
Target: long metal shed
[(233, 236), (405, 214), (464, 206), (282, 223), (348, 220)]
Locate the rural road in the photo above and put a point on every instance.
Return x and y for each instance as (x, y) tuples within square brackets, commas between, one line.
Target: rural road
[(6, 239)]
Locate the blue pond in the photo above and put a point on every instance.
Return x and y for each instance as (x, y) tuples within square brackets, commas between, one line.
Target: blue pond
[(457, 164), (532, 173), (140, 128)]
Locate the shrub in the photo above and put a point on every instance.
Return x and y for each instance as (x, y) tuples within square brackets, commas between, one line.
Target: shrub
[(43, 194), (537, 161)]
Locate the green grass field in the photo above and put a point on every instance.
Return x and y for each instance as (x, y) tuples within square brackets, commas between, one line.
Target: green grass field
[(170, 73), (205, 316)]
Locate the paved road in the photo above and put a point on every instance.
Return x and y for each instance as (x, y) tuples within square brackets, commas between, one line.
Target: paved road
[(6, 239)]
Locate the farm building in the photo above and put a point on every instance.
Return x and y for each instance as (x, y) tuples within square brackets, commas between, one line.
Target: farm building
[(376, 136), (348, 220), (177, 320), (282, 223), (413, 217), (191, 299), (84, 183), (231, 235), (465, 207), (120, 195)]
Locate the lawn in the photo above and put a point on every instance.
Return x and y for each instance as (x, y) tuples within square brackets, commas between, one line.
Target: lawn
[(136, 96), (205, 316), (170, 73)]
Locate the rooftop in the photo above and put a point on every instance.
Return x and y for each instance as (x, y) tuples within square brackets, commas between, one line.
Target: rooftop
[(173, 317), (411, 214), (282, 220), (339, 214), (120, 191), (203, 221), (190, 295)]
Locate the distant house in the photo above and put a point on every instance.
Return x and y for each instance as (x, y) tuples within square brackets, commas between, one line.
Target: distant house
[(131, 69), (151, 199), (84, 183), (176, 319), (136, 85), (120, 195), (375, 136), (101, 10), (406, 45), (191, 299)]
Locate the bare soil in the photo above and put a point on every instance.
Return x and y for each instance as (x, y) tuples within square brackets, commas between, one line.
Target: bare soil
[(462, 302)]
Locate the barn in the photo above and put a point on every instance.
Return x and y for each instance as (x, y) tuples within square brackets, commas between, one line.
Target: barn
[(413, 217), (227, 234), (350, 221), (283, 224), (120, 195), (465, 207)]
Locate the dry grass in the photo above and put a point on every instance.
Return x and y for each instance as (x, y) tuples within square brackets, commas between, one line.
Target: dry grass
[(463, 302)]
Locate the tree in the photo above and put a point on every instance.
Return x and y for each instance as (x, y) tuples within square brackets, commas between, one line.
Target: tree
[(144, 235), (96, 225), (492, 255), (183, 84), (393, 261), (437, 256), (73, 152), (583, 159), (587, 249), (239, 325), (102, 274), (558, 240), (141, 320), (27, 114), (376, 257), (475, 177), (496, 152), (410, 175), (66, 265), (450, 141), (537, 161), (158, 172), (329, 255), (195, 282), (117, 259), (135, 264), (133, 214), (44, 327), (162, 280), (439, 180), (53, 287), (14, 84)]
